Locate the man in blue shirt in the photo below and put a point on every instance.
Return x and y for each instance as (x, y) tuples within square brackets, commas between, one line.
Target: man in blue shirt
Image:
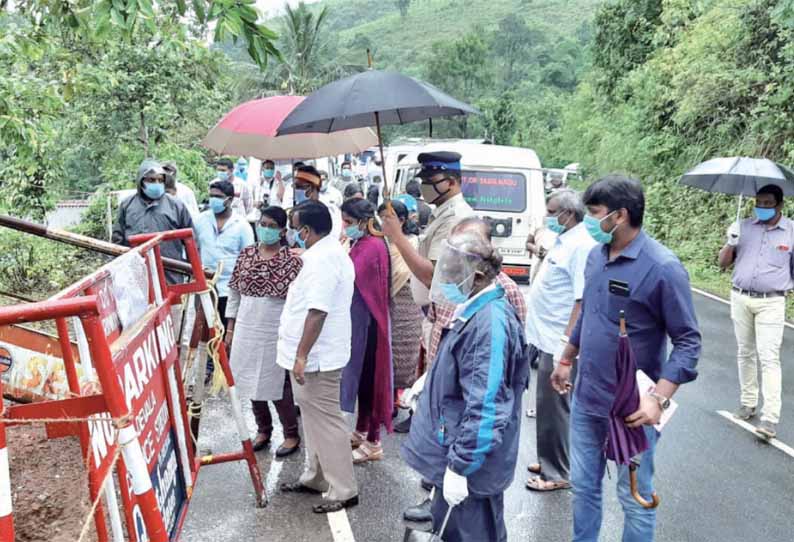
[(632, 273), (221, 235)]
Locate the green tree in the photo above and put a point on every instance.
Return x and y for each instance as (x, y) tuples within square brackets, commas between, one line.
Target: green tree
[(511, 42), (460, 68)]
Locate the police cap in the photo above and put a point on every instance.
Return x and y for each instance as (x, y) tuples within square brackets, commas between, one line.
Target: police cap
[(438, 162)]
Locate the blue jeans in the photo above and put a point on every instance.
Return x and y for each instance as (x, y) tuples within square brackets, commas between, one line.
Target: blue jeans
[(588, 434)]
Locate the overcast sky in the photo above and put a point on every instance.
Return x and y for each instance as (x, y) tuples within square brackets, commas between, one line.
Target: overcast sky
[(273, 7)]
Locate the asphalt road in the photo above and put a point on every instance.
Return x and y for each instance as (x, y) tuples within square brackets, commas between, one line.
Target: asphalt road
[(717, 481)]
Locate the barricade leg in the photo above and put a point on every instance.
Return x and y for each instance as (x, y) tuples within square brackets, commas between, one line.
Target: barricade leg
[(6, 508), (242, 430)]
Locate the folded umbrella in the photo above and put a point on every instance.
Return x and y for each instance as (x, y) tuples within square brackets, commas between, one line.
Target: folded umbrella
[(250, 130), (624, 444)]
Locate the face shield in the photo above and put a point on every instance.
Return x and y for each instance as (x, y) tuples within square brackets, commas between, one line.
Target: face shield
[(453, 278)]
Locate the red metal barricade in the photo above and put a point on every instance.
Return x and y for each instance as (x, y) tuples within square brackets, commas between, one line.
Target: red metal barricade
[(138, 421)]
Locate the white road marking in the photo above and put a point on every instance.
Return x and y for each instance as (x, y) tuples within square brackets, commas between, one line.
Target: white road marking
[(785, 448), (727, 302), (340, 527)]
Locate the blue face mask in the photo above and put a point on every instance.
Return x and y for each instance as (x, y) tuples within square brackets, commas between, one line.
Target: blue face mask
[(453, 293), (218, 205), (346, 173), (300, 195), (764, 215), (298, 241), (353, 233), (154, 190), (268, 236), (223, 175), (553, 224), (593, 226), (269, 173)]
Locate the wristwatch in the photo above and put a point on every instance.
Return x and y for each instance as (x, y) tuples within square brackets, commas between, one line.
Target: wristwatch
[(663, 401)]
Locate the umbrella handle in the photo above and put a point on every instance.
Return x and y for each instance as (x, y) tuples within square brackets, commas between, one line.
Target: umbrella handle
[(623, 323), (373, 231), (655, 500)]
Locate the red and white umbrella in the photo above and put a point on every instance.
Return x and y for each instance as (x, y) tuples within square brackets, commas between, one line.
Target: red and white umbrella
[(250, 130)]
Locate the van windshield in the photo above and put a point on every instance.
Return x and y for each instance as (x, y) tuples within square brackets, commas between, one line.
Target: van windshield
[(500, 191)]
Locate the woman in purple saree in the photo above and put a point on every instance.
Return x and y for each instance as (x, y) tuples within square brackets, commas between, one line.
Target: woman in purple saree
[(369, 374)]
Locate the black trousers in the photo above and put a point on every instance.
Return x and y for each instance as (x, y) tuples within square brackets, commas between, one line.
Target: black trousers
[(480, 519)]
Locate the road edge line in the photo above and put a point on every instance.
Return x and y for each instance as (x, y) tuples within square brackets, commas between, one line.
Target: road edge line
[(726, 302), (340, 526), (785, 448)]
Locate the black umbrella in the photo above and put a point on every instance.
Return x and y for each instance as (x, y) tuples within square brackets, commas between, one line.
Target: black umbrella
[(740, 176), (371, 98)]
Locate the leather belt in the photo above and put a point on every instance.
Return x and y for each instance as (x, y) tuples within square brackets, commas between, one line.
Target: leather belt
[(750, 293)]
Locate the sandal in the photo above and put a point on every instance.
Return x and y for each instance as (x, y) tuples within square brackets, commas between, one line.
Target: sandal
[(367, 452), (357, 439), (534, 468), (536, 483)]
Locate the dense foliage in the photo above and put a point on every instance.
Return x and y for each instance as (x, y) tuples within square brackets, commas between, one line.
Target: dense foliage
[(648, 87)]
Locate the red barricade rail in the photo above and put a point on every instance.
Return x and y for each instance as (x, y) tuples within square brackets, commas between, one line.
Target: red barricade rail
[(138, 421)]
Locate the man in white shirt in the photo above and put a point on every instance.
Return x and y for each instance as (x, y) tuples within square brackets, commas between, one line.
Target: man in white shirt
[(314, 345), (180, 191), (242, 202), (554, 303)]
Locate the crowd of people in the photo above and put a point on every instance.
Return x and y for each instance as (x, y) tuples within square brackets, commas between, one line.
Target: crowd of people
[(333, 303)]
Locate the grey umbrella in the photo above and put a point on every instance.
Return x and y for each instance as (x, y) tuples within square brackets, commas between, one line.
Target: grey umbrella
[(371, 98), (739, 175)]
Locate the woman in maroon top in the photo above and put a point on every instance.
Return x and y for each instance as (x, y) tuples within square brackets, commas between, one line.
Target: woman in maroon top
[(257, 291)]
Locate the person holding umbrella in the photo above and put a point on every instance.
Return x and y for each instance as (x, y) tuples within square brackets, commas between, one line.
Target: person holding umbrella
[(760, 250), (634, 275)]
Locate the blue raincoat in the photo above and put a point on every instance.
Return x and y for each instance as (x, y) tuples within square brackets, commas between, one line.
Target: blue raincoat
[(469, 413)]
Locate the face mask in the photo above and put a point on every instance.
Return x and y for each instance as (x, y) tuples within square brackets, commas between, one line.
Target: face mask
[(300, 195), (223, 176), (291, 234), (154, 190), (553, 224), (452, 292), (268, 236), (346, 173), (430, 193), (763, 214), (269, 173), (353, 233), (298, 241), (593, 226), (218, 205)]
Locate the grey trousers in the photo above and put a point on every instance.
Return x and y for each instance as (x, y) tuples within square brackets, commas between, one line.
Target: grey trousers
[(553, 415), (326, 435)]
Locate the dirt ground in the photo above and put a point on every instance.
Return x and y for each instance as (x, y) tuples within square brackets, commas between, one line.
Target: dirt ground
[(49, 486)]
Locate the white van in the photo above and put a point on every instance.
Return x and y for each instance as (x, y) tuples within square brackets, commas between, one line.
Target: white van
[(504, 184)]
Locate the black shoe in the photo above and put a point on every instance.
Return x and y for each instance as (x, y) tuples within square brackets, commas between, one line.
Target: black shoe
[(404, 426), (297, 487), (335, 506), (283, 451), (419, 513), (261, 442), (427, 485)]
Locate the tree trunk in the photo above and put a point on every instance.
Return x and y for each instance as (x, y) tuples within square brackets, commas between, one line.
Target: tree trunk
[(144, 137)]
